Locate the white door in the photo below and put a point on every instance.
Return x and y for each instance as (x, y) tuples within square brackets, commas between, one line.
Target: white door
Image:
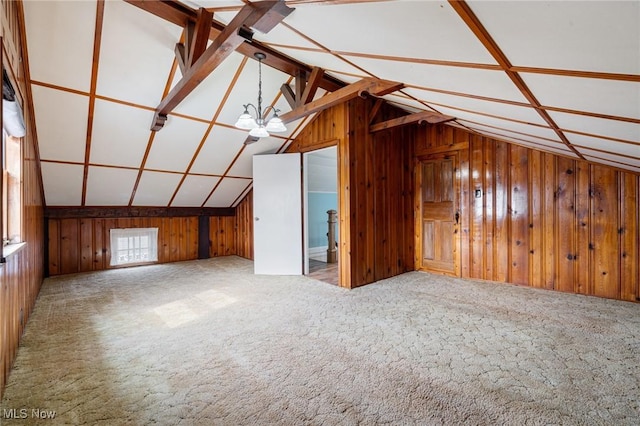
[(277, 214)]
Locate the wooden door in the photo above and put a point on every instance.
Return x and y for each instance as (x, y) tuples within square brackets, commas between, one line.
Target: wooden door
[(439, 215), (277, 209)]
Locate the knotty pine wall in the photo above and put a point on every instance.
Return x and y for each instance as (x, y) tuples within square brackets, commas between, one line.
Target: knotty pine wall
[(82, 244), (543, 221), (375, 195), (244, 227), (22, 274)]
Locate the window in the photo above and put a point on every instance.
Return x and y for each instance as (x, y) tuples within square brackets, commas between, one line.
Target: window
[(13, 130), (133, 245), (11, 190)]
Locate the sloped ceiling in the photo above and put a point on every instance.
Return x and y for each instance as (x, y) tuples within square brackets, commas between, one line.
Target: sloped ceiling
[(560, 76)]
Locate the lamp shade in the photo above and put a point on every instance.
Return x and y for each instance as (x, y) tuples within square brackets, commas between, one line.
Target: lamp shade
[(246, 121), (259, 132), (276, 125)]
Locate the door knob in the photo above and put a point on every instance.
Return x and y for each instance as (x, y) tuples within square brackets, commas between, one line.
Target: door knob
[(257, 219)]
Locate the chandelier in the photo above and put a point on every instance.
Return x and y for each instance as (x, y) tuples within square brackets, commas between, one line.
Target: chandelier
[(258, 126)]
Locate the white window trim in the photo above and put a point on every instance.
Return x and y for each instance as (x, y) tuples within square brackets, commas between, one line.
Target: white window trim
[(117, 234)]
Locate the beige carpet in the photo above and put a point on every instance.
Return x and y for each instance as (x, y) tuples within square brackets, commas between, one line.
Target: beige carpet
[(209, 343)]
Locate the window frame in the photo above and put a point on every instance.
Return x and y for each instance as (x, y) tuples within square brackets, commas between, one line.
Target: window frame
[(118, 235)]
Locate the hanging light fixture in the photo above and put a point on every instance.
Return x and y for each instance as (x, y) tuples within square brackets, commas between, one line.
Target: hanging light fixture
[(257, 126)]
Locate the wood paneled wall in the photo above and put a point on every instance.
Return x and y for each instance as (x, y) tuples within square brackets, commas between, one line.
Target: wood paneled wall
[(82, 244), (543, 220), (222, 236), (375, 195), (244, 227), (22, 274)]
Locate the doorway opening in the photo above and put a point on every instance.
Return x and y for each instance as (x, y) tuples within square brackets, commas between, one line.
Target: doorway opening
[(320, 198)]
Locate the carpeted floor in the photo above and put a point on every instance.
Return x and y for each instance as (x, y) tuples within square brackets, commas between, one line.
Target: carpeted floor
[(209, 343)]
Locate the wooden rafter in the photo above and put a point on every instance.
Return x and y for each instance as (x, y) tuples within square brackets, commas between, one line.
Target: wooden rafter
[(198, 42), (262, 16), (419, 117), (179, 14), (311, 87), (474, 24), (362, 87), (305, 89)]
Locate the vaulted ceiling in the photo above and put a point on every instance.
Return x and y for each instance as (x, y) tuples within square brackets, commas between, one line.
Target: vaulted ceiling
[(559, 76)]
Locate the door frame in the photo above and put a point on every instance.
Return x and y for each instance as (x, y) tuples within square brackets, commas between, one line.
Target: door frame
[(419, 207)]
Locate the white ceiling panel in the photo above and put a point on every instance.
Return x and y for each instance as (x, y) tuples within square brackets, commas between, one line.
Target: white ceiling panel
[(120, 134), (398, 28), (499, 109), (604, 144), (136, 54), (61, 119), (156, 188), (174, 146), (61, 33), (324, 60), (481, 82), (206, 99), (566, 33), (526, 129), (62, 184), (635, 162), (243, 167), (107, 186), (217, 153), (518, 138), (407, 103), (555, 149), (246, 91), (215, 4), (614, 164), (610, 97), (599, 126), (227, 192), (282, 35), (194, 190)]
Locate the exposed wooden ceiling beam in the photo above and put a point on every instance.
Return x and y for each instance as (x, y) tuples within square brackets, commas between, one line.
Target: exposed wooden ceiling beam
[(419, 117), (197, 42), (371, 86), (179, 14), (261, 15), (311, 87), (108, 212)]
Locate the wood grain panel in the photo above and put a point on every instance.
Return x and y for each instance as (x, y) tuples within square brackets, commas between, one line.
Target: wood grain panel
[(83, 244), (630, 244), (519, 215), (22, 273), (544, 220), (69, 246), (582, 258), (605, 232), (87, 237), (536, 198), (502, 222), (549, 221), (244, 227), (476, 209), (565, 196)]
